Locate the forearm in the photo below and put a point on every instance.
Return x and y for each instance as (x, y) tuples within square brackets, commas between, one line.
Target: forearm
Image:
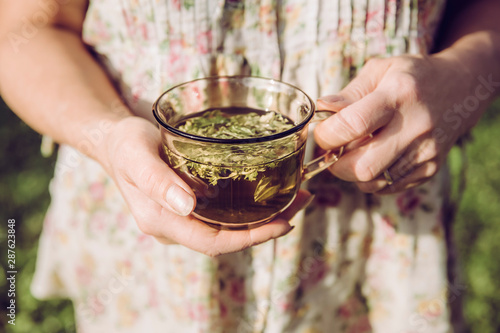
[(471, 42), (57, 88)]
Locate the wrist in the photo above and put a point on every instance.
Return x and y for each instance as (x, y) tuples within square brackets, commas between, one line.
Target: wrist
[(124, 136), (96, 133), (472, 79), (474, 55)]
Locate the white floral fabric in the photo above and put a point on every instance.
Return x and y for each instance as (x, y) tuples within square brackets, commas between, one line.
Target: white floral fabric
[(354, 263)]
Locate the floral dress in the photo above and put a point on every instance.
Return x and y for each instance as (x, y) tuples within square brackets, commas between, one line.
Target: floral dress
[(354, 262)]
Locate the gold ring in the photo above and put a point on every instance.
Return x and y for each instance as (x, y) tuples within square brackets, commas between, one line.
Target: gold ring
[(388, 177)]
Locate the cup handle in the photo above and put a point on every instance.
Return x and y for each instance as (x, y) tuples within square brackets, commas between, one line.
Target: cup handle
[(321, 163)]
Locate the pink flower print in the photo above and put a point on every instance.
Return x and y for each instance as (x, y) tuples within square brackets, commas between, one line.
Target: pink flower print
[(387, 227), (153, 296), (144, 31), (237, 290), (349, 308), (390, 7), (192, 99), (175, 61), (195, 99), (224, 87), (267, 19), (99, 32), (177, 4), (121, 221), (129, 20), (96, 190), (284, 306), (374, 21), (265, 11), (125, 266), (73, 222), (432, 308), (222, 310), (127, 316), (407, 202), (145, 242), (95, 304), (381, 253), (136, 96), (83, 275), (198, 312), (313, 270), (97, 222), (293, 13), (204, 41), (83, 201), (360, 325), (193, 277)]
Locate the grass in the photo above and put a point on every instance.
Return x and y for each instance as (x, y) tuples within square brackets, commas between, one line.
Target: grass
[(24, 196), (24, 181), (477, 229)]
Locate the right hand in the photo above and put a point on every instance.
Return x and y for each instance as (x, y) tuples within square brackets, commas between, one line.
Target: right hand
[(161, 202)]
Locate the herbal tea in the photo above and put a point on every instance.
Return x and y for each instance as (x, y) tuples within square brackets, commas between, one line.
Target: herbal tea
[(243, 163), (238, 183)]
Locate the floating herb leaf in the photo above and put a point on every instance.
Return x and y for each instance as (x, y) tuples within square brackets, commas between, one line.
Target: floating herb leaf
[(213, 162), (238, 182), (216, 124)]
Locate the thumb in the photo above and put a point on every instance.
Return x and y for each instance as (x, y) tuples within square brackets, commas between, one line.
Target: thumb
[(156, 180), (361, 109), (140, 164)]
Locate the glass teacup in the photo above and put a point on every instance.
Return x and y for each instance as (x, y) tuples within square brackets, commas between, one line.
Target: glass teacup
[(238, 142)]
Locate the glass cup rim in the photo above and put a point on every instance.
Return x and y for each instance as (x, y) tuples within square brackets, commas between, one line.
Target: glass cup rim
[(271, 137)]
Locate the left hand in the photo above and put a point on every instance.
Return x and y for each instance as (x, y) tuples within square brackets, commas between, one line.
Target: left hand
[(415, 107), (161, 202)]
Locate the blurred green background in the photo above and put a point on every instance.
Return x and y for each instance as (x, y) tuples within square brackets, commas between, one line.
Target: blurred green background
[(25, 176)]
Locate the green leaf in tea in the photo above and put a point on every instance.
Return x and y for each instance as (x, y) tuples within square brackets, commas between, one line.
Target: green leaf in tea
[(216, 124), (249, 180), (232, 161)]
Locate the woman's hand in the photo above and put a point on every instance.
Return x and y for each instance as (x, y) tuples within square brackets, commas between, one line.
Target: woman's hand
[(415, 107), (161, 202)]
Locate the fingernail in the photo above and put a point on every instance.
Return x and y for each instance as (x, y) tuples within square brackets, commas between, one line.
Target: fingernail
[(180, 201), (289, 230), (331, 99)]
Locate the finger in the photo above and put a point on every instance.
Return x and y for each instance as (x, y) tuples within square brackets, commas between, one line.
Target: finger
[(354, 121), (151, 216), (333, 103), (205, 239), (144, 168), (417, 153), (157, 181), (356, 118), (357, 143), (363, 84), (367, 161), (421, 175), (213, 242), (402, 172)]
